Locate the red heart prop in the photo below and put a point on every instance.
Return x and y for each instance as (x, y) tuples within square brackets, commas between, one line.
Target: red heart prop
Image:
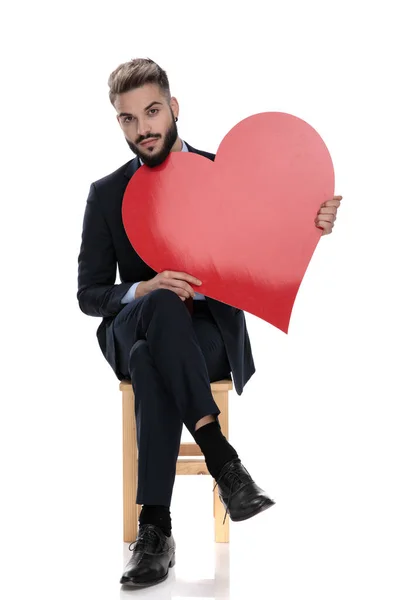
[(243, 224)]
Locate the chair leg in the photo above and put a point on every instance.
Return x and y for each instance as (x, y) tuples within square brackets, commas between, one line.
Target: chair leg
[(221, 531), (129, 457)]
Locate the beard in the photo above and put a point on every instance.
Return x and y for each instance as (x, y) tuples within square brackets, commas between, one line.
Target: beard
[(153, 160)]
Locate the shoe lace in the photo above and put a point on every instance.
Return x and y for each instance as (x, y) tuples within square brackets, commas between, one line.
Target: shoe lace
[(145, 538), (235, 478)]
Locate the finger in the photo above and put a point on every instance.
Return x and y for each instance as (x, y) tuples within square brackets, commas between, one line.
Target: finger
[(178, 285), (181, 276), (335, 203), (179, 292), (181, 297), (325, 219), (184, 287), (326, 228), (329, 210), (181, 287), (324, 223), (334, 199)]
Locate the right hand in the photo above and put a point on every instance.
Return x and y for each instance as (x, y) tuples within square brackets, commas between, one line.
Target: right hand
[(169, 280)]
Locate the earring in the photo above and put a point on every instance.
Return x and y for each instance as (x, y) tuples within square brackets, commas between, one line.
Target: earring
[(176, 119)]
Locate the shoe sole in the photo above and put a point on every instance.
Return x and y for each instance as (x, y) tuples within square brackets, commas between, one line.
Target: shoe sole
[(154, 581), (261, 508)]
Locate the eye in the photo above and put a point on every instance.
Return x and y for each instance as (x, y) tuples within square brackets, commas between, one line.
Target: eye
[(153, 111), (125, 119)]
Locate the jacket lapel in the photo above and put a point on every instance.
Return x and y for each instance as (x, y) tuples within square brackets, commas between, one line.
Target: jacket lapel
[(132, 167)]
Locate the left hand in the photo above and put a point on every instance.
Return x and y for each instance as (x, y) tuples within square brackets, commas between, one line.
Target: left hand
[(326, 216)]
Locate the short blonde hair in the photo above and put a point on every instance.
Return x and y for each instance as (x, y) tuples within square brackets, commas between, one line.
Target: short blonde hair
[(136, 73)]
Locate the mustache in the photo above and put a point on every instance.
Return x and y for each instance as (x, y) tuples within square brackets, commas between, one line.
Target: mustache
[(148, 137)]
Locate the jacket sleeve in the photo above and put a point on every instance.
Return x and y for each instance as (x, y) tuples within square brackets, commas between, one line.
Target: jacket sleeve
[(98, 295)]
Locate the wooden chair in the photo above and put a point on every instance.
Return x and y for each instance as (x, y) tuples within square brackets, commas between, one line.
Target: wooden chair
[(184, 466)]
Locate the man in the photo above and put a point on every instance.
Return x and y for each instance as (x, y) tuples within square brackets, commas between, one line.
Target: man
[(161, 334)]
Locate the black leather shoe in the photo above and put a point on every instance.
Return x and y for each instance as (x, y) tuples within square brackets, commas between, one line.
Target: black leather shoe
[(238, 492), (153, 554)]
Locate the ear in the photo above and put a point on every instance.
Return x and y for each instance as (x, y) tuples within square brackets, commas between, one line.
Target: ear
[(174, 107)]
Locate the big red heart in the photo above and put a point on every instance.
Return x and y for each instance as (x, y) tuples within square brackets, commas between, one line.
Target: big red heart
[(243, 224)]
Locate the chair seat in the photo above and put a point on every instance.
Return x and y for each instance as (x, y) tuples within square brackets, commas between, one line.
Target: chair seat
[(224, 385)]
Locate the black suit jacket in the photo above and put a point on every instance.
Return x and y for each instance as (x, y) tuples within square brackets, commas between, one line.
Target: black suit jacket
[(105, 245)]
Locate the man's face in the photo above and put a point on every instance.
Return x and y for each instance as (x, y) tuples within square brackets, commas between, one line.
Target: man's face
[(148, 122)]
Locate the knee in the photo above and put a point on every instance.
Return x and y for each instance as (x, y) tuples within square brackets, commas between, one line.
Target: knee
[(140, 348), (162, 299)]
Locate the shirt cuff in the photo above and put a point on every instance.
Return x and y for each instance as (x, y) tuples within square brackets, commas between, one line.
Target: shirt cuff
[(130, 294)]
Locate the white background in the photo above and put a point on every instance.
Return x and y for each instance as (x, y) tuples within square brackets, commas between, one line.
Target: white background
[(317, 426)]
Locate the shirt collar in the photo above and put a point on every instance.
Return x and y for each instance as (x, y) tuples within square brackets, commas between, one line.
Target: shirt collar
[(184, 149)]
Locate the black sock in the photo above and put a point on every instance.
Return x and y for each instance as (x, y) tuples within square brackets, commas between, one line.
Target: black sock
[(156, 515), (215, 447)]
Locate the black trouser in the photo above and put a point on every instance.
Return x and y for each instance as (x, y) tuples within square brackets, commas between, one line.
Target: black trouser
[(171, 357)]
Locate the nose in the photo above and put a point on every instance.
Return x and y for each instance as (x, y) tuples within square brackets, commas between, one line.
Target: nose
[(143, 128)]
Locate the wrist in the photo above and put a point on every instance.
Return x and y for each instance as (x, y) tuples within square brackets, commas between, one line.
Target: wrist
[(141, 290)]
